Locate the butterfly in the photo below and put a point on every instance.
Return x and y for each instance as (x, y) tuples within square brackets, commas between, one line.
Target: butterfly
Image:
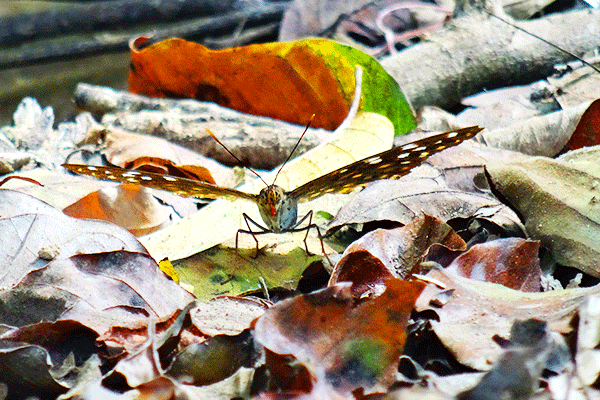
[(279, 208)]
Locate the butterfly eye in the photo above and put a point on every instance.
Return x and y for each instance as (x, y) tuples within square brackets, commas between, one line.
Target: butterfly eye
[(272, 197)]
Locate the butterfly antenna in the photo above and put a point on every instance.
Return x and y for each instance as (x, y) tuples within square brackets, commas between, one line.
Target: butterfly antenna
[(234, 156), (295, 147)]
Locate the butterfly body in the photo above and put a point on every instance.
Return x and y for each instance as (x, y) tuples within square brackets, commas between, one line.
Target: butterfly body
[(277, 207)]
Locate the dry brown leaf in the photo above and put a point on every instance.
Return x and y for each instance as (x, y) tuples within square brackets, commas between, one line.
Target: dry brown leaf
[(476, 311), (461, 167), (31, 357), (544, 135), (35, 233), (405, 199), (396, 252), (214, 360), (363, 269), (126, 340), (226, 315), (142, 349), (516, 375), (345, 344), (503, 107), (97, 290), (558, 201), (581, 85)]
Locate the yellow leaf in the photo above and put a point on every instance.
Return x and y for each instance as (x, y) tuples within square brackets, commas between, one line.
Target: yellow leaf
[(219, 221)]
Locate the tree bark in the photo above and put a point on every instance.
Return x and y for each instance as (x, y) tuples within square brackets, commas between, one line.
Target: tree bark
[(478, 52), (259, 142)]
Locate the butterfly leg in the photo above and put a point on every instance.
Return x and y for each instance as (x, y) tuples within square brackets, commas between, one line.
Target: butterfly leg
[(263, 230), (307, 229), (321, 239)]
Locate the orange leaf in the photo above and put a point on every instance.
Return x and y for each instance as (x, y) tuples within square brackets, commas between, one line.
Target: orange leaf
[(512, 262), (392, 253), (254, 79), (127, 205), (288, 81)]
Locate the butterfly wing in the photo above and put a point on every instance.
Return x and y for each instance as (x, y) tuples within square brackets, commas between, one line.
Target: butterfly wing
[(390, 164), (181, 186)]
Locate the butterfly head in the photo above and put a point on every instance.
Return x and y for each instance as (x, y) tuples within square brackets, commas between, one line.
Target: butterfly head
[(278, 210)]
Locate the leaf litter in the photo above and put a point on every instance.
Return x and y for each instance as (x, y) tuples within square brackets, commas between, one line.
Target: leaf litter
[(480, 311)]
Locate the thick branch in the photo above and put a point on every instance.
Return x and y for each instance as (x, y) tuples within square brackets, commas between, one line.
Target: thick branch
[(260, 142), (478, 52), (100, 15), (114, 38)]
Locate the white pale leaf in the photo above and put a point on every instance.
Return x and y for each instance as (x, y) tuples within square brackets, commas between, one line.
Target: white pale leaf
[(368, 134)]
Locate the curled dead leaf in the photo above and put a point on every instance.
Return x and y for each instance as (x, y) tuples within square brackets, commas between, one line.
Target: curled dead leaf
[(396, 252), (477, 311), (558, 201)]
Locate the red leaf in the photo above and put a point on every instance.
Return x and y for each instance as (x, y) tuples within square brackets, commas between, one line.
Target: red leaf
[(511, 262), (587, 132)]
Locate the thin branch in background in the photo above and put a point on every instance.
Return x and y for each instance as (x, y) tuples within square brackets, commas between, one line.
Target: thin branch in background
[(545, 41)]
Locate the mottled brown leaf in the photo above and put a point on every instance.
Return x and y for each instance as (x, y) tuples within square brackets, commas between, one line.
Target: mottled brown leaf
[(345, 344), (558, 201), (476, 311), (396, 252), (511, 262)]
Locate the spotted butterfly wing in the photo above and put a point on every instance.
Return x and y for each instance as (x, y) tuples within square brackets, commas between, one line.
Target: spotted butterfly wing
[(390, 164), (181, 186)]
